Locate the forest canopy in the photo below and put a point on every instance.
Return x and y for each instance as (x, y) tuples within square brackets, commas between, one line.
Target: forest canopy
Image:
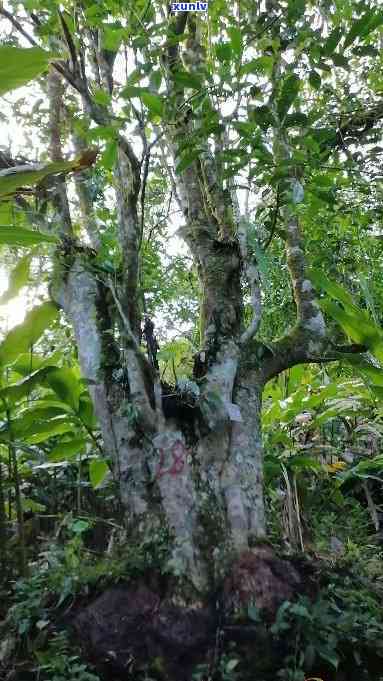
[(191, 340)]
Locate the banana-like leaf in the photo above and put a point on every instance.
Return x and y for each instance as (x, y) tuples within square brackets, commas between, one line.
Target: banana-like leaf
[(17, 178), (18, 236), (69, 450), (24, 336), (18, 278)]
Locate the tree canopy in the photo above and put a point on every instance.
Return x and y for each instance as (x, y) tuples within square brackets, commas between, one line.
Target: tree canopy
[(190, 213)]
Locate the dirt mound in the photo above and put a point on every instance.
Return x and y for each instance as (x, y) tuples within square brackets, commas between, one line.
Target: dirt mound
[(130, 626)]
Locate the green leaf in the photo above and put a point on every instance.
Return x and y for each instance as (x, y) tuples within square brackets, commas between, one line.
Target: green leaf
[(68, 450), (80, 526), (110, 155), (363, 26), (113, 37), (28, 419), (132, 91), (296, 10), (290, 89), (259, 65), (340, 60), (66, 384), (155, 103), (23, 388), (6, 214), (44, 431), (18, 236), (357, 326), (254, 613), (86, 412), (315, 80), (22, 338), (261, 115), (98, 470), (34, 432), (29, 362), (223, 52), (329, 656), (356, 323), (102, 97), (235, 40), (187, 79), (15, 178), (18, 278), (333, 289), (231, 665), (186, 160), (19, 65), (332, 41), (297, 119)]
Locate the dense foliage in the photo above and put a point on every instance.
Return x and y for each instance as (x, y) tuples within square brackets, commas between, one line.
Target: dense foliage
[(175, 186)]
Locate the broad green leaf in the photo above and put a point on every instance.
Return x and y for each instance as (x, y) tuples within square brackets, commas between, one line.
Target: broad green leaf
[(18, 236), (289, 91), (29, 362), (32, 505), (19, 65), (29, 418), (7, 216), (186, 160), (333, 289), (296, 9), (332, 41), (24, 336), (18, 278), (23, 388), (36, 431), (86, 412), (357, 326), (102, 97), (340, 60), (297, 119), (98, 470), (44, 431), (356, 323), (235, 40), (364, 25), (262, 115), (80, 526), (187, 79), (113, 37), (259, 65), (315, 80), (17, 177), (223, 52), (155, 103), (231, 665), (132, 91), (110, 155), (65, 451), (66, 384)]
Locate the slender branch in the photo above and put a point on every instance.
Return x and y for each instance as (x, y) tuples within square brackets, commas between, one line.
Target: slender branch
[(16, 23), (274, 223)]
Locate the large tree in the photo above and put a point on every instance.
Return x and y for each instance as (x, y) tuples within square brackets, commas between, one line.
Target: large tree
[(245, 108)]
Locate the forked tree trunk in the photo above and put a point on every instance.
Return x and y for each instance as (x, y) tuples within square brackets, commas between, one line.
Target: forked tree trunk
[(205, 488)]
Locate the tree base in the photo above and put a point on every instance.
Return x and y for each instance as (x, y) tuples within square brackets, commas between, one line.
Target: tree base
[(133, 627)]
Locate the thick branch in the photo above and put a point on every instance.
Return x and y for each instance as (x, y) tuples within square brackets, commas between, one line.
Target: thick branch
[(293, 349)]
